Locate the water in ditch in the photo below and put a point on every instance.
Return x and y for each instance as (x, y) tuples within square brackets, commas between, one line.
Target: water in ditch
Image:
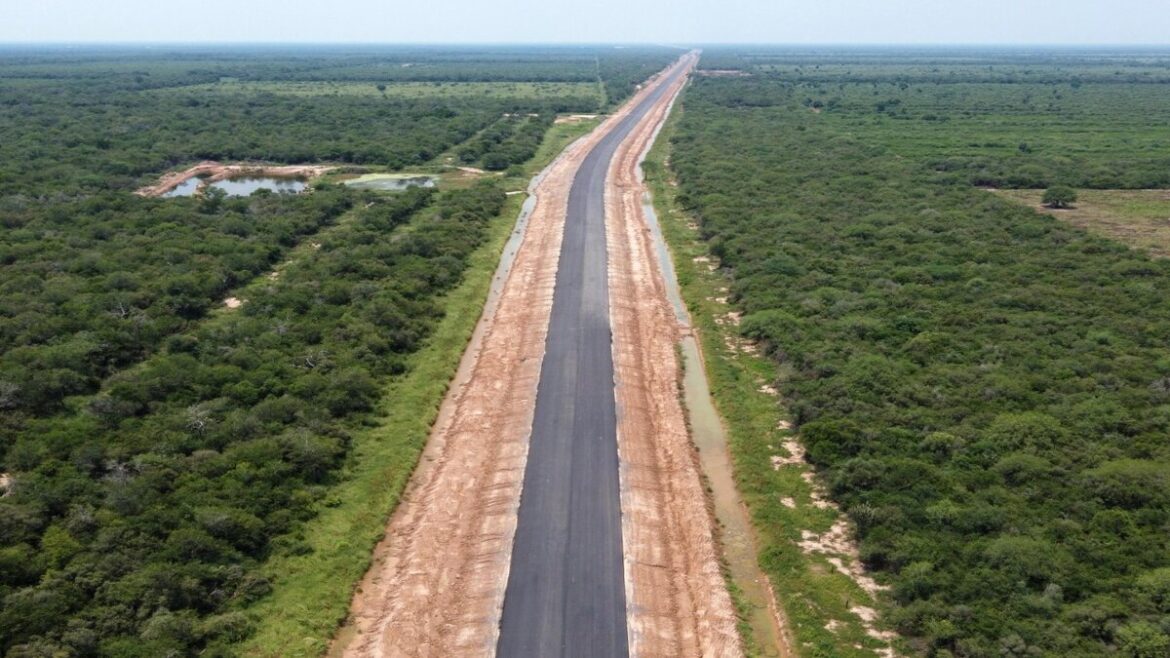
[(735, 531)]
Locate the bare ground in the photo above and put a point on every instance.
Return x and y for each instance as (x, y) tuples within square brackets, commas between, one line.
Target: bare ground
[(677, 601), (437, 582), (574, 118), (215, 171)]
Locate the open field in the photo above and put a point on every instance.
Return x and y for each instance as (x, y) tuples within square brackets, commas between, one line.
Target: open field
[(1138, 218)]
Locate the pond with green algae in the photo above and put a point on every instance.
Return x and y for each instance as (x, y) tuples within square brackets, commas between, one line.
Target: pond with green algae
[(391, 182)]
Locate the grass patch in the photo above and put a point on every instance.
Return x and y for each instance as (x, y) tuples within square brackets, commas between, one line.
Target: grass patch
[(1138, 218), (311, 593), (811, 592)]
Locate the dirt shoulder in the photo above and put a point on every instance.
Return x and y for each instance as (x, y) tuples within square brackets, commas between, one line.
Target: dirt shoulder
[(215, 171), (677, 600), (437, 582)]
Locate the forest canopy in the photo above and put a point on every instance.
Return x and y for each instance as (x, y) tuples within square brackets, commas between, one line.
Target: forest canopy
[(984, 389)]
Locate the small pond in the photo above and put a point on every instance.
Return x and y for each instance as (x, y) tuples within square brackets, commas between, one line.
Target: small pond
[(186, 188), (391, 182), (246, 186), (243, 186)]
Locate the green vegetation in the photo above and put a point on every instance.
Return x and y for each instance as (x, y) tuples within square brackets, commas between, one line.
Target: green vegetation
[(578, 96), (176, 469), (96, 284), (982, 388), (224, 439), (108, 119), (511, 140), (812, 594), (1061, 196)]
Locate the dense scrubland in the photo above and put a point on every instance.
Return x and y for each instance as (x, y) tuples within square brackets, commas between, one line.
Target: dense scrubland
[(984, 389), (97, 120), (161, 449)]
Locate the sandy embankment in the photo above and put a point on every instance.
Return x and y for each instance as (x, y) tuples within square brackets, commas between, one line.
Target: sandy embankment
[(676, 597)]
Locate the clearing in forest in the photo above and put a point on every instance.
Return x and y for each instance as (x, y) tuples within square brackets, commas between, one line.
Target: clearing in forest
[(1138, 218)]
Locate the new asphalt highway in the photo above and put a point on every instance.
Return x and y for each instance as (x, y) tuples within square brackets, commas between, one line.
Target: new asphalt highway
[(566, 593)]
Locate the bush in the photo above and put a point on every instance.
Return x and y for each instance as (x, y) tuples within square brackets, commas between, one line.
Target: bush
[(1060, 196)]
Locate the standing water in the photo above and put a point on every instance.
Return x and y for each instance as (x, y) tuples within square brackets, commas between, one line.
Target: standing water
[(186, 188), (246, 186), (736, 534), (390, 182), (242, 186)]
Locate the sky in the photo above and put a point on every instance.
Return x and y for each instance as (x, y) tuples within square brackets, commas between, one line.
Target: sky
[(1071, 22)]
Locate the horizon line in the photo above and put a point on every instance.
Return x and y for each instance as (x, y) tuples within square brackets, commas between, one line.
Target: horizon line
[(618, 44)]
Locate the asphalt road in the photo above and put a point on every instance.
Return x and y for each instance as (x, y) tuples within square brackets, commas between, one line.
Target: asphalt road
[(566, 586)]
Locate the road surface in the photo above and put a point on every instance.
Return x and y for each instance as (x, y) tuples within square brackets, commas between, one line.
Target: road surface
[(566, 587), (539, 522)]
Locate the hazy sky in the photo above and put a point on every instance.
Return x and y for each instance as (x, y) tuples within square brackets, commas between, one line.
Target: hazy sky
[(649, 21)]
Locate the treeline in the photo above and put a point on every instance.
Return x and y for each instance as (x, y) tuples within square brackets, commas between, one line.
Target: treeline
[(984, 389), (138, 517), (1122, 66), (511, 140), (92, 286), (113, 68), (987, 134), (101, 125)]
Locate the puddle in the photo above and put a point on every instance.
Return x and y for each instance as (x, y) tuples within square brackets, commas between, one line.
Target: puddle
[(246, 186), (391, 182)]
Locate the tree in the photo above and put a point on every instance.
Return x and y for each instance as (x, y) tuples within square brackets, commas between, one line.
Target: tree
[(1142, 640), (1060, 196), (495, 161)]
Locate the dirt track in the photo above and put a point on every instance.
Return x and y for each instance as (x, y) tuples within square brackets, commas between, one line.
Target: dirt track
[(437, 584)]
